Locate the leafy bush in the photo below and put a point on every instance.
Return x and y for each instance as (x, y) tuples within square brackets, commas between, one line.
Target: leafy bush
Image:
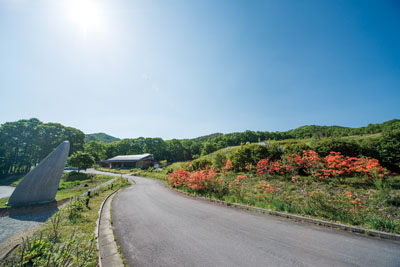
[(200, 164), (75, 210), (347, 148), (265, 167), (219, 160), (296, 148), (251, 154), (388, 147)]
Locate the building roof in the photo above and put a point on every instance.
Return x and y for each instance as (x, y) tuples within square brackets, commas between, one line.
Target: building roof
[(130, 158)]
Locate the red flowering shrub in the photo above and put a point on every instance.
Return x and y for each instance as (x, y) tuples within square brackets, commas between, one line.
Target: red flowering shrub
[(335, 165), (294, 163), (178, 178), (204, 180), (265, 167), (228, 166), (312, 162)]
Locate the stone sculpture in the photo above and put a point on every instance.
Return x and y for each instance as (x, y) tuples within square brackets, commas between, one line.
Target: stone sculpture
[(41, 184)]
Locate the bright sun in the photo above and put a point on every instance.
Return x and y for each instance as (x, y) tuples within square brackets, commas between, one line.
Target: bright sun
[(86, 14)]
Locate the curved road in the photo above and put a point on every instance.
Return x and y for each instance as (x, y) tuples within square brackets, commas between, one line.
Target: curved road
[(156, 226)]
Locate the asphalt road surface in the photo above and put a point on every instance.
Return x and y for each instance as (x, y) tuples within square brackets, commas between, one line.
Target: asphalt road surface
[(156, 226)]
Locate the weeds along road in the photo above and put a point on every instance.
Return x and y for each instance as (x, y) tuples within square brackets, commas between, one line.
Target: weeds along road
[(156, 226)]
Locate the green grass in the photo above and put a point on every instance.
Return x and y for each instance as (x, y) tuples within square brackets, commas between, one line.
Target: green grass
[(68, 237), (3, 202)]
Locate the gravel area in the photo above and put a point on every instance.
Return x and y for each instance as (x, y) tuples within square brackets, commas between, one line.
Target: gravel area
[(13, 227)]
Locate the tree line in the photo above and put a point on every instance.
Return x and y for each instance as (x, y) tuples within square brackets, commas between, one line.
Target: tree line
[(25, 143)]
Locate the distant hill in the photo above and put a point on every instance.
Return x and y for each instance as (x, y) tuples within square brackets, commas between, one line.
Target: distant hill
[(328, 131), (206, 137), (100, 137)]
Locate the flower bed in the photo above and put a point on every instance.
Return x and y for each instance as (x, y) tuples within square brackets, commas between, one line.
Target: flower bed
[(356, 191)]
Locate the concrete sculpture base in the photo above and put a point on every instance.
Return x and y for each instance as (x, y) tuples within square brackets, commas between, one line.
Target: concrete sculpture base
[(41, 184)]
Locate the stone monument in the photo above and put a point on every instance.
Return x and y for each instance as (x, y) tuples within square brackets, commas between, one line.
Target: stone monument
[(41, 184)]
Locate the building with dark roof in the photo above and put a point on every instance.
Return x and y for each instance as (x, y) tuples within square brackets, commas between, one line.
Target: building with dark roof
[(142, 161)]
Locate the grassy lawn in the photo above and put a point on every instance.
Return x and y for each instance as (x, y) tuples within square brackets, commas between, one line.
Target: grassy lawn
[(67, 238), (73, 184), (373, 206)]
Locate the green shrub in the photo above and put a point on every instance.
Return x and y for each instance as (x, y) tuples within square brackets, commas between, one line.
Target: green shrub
[(388, 147), (251, 154), (219, 160), (346, 148), (200, 164), (296, 148), (75, 210)]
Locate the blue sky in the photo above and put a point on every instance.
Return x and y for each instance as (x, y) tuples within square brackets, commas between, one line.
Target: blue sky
[(181, 69)]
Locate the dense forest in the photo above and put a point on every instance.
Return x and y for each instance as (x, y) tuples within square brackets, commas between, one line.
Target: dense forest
[(24, 143)]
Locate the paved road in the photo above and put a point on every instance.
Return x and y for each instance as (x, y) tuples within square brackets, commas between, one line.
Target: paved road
[(6, 191), (156, 226)]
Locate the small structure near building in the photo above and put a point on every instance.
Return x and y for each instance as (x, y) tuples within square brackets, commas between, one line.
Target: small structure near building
[(142, 161)]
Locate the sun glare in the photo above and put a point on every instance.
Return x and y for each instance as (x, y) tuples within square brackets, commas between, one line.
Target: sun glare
[(85, 14)]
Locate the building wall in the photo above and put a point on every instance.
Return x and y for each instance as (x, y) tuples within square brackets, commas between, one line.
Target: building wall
[(142, 164)]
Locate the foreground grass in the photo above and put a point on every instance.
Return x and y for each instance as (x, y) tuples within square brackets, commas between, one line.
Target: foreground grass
[(373, 206), (73, 184), (68, 238)]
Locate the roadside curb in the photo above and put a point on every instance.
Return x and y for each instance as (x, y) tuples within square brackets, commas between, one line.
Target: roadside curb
[(106, 245), (106, 242), (349, 228)]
